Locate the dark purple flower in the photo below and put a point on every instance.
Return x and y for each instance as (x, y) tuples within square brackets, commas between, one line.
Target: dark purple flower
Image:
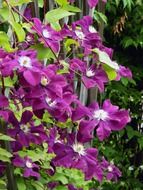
[(25, 132), (123, 72), (111, 171), (91, 75), (30, 168), (51, 38), (106, 118), (92, 3), (75, 155), (28, 13), (59, 108)]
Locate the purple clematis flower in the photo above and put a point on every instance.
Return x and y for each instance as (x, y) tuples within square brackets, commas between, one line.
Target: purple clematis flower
[(25, 63), (24, 131), (29, 66), (30, 168), (123, 72), (106, 118), (75, 155), (59, 108), (91, 76), (112, 172), (51, 38)]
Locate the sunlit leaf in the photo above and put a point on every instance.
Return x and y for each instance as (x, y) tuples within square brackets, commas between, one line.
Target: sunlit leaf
[(4, 42), (19, 31), (6, 137), (57, 14)]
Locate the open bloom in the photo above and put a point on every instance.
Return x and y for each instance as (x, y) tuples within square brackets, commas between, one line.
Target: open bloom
[(111, 171), (91, 75), (30, 168), (24, 131), (75, 155), (51, 38), (106, 118), (123, 72)]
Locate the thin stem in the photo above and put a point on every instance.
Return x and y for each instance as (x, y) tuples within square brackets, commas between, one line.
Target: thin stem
[(11, 182), (3, 86)]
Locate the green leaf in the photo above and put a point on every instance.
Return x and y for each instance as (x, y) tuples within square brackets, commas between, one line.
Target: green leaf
[(6, 137), (43, 52), (40, 3), (8, 82), (104, 58), (69, 43), (38, 185), (18, 30), (140, 141), (62, 2), (60, 178), (18, 2), (130, 132), (46, 118), (128, 4), (117, 2), (4, 42), (57, 14), (21, 184), (5, 155), (6, 15), (2, 182), (65, 68), (124, 81), (60, 188), (111, 73), (71, 8), (99, 16)]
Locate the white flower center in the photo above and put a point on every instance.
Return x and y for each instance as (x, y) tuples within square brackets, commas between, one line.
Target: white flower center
[(92, 29), (29, 38), (100, 115), (50, 102), (44, 81), (90, 73), (79, 148), (25, 128), (25, 61), (80, 34), (28, 164), (110, 169), (46, 34)]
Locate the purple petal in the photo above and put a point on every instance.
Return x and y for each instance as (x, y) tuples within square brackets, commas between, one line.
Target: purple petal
[(32, 77), (92, 3), (103, 131), (26, 117)]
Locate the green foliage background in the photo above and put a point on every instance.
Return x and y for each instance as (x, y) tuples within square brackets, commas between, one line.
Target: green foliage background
[(126, 147)]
